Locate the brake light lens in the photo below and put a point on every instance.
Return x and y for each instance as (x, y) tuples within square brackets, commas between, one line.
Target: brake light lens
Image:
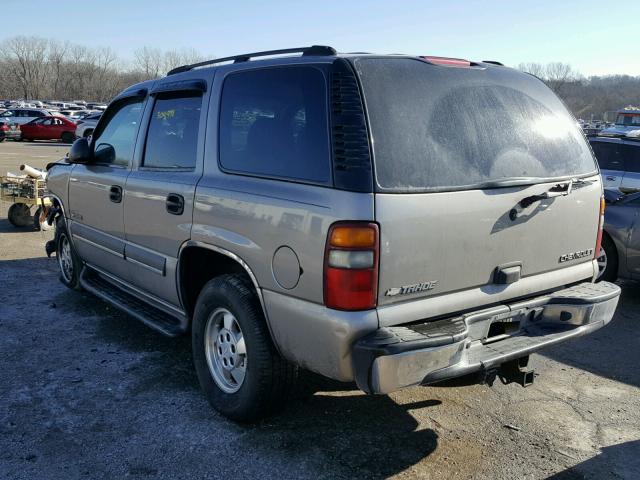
[(448, 62), (596, 252), (351, 266)]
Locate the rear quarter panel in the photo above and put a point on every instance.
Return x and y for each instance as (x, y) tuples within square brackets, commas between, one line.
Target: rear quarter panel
[(253, 217)]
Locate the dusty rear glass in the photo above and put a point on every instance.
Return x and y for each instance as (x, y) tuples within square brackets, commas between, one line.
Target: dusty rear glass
[(441, 128)]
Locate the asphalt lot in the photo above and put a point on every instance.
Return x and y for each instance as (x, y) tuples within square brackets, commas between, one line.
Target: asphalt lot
[(88, 392)]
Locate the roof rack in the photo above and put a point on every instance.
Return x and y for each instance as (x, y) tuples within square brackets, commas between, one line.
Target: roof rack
[(317, 50)]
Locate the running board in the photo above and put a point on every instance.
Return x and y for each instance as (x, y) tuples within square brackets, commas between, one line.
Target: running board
[(167, 324)]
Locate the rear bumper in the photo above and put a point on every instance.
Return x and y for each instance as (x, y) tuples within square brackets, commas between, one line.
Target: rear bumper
[(397, 357)]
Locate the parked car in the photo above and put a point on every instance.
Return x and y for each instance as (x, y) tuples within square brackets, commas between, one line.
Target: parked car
[(619, 160), (9, 131), (620, 253), (49, 128), (85, 127), (23, 115), (627, 120), (75, 115), (243, 203)]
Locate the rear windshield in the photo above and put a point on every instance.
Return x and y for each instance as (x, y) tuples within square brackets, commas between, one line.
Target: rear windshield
[(628, 119), (442, 128)]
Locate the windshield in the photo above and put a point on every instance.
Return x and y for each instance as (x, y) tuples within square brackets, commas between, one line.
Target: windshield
[(628, 119), (439, 128)]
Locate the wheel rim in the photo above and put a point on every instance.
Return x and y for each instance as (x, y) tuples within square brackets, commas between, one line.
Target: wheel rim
[(602, 262), (65, 259), (225, 350)]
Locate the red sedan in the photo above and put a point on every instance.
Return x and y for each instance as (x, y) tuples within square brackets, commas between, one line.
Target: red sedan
[(49, 128)]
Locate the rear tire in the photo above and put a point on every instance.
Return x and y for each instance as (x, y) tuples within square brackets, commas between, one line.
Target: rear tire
[(607, 260), (19, 215), (68, 137), (230, 334)]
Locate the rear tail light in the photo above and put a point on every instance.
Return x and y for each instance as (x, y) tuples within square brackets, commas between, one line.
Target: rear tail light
[(351, 266), (4, 127), (596, 253)]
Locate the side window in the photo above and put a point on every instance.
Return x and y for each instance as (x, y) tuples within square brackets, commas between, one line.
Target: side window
[(8, 113), (273, 122), (46, 122), (115, 142), (608, 156), (631, 155), (172, 138)]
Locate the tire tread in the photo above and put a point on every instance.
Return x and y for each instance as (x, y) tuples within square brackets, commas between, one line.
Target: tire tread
[(276, 376)]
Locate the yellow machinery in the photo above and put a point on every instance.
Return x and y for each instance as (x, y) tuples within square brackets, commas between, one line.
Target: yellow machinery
[(25, 192)]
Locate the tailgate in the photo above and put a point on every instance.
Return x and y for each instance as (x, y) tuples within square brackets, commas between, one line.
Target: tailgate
[(437, 243), (486, 188)]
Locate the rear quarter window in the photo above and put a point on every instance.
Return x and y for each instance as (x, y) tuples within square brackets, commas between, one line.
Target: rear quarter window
[(631, 155), (273, 122), (608, 155), (440, 128)]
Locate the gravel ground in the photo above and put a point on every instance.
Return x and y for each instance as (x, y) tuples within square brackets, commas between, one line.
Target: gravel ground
[(88, 392)]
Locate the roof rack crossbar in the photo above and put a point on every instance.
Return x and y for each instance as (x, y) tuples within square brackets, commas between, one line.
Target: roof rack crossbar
[(320, 50)]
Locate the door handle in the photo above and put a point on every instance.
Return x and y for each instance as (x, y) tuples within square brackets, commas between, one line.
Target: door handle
[(115, 193), (611, 179), (175, 204)]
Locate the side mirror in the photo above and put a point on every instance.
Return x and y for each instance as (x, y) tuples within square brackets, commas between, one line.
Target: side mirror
[(80, 151), (105, 153)]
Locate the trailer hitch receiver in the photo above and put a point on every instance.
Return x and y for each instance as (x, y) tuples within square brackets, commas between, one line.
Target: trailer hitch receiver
[(516, 371)]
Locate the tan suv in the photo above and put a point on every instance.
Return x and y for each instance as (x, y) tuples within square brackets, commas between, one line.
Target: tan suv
[(385, 219)]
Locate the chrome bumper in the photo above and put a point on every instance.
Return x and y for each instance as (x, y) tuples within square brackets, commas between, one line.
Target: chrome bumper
[(397, 357)]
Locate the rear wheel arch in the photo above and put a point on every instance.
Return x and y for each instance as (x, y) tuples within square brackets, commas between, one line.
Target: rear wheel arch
[(192, 277)]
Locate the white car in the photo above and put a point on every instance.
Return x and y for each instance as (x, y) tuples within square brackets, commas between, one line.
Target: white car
[(86, 126), (23, 115)]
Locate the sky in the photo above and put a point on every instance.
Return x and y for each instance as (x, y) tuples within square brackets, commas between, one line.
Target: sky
[(595, 37)]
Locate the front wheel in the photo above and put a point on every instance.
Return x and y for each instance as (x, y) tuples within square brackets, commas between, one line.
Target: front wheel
[(68, 137), (238, 367), (68, 260)]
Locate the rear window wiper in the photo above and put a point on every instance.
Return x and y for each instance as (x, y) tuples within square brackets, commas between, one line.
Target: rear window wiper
[(558, 190)]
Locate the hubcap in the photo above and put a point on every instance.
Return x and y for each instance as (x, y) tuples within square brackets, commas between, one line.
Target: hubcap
[(602, 262), (65, 259), (225, 350)]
